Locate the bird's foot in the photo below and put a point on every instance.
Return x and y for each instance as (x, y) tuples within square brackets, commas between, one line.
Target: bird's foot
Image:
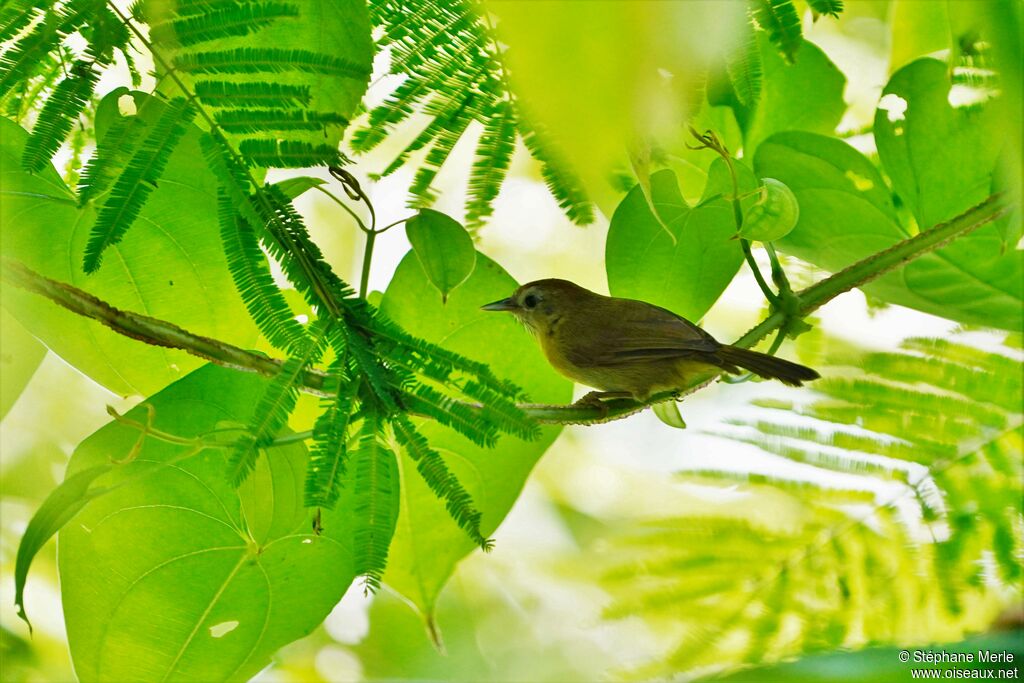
[(596, 399)]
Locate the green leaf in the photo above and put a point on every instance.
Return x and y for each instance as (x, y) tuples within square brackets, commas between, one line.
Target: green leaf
[(295, 187), (58, 509), (428, 543), (774, 215), (688, 270), (846, 214), (444, 249), (807, 95), (221, 578), (170, 266), (941, 159), (21, 355), (668, 412)]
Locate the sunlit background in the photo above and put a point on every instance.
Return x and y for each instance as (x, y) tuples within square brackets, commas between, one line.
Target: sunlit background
[(531, 609)]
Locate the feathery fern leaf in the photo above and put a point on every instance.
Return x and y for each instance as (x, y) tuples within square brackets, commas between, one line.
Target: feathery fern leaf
[(270, 95), (826, 8), (563, 183), (328, 459), (427, 401), (273, 409), (780, 19), (444, 485), (288, 153), (745, 69), (113, 151), (59, 114), (17, 15), (454, 73), (243, 121), (136, 181), (229, 19), (374, 501), (493, 157), (258, 60), (19, 62), (262, 296), (936, 527)]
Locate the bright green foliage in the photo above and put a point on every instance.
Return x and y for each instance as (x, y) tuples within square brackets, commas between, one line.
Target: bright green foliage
[(137, 181), (745, 69), (169, 266), (783, 105), (827, 8), (328, 461), (847, 213), (30, 57), (444, 249), (779, 19), (220, 577), (455, 74), (493, 477), (22, 354), (942, 429), (687, 270), (195, 24), (274, 407), (941, 159), (373, 500)]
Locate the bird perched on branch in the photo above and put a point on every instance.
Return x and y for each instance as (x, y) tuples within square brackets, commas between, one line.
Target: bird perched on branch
[(628, 348)]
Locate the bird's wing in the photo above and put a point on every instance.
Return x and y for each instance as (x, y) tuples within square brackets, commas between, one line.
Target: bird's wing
[(644, 333)]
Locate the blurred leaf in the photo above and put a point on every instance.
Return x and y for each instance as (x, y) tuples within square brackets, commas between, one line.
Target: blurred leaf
[(427, 543), (170, 266), (846, 214), (293, 187), (177, 575), (780, 20), (687, 271), (918, 29), (444, 249), (326, 50), (20, 355), (595, 69), (807, 95)]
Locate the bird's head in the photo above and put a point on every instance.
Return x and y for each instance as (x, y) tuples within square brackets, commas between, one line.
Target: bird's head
[(538, 304)]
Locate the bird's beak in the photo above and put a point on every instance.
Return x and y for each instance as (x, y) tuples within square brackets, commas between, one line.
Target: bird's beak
[(508, 304)]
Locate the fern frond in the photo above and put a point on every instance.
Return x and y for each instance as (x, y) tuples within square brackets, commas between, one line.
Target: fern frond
[(113, 152), (782, 22), (137, 181), (444, 409), (367, 364), (288, 153), (19, 62), (249, 269), (58, 115), (826, 8), (273, 409), (17, 15), (328, 459), (493, 157), (252, 94), (454, 72), (243, 121), (374, 501), (440, 480), (563, 183), (745, 69), (257, 60), (216, 22)]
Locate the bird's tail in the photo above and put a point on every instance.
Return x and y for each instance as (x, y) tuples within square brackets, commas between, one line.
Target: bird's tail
[(769, 367)]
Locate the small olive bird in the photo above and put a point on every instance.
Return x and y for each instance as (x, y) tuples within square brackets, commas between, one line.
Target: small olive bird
[(628, 348)]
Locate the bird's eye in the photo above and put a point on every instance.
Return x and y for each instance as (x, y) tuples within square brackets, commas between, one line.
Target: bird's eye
[(530, 301)]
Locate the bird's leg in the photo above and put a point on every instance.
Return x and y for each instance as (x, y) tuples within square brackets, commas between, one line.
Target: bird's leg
[(596, 399)]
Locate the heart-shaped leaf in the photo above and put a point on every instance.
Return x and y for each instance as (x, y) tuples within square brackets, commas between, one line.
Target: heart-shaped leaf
[(443, 247), (685, 260), (176, 575)]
